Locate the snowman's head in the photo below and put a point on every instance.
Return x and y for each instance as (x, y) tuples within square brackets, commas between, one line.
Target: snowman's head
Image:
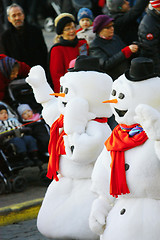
[(130, 94), (93, 86)]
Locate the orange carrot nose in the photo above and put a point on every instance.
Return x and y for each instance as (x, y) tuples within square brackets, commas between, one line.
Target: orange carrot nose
[(58, 94), (111, 101)]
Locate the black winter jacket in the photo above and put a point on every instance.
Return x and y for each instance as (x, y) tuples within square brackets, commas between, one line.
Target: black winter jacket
[(149, 37), (126, 24), (26, 45), (112, 60)]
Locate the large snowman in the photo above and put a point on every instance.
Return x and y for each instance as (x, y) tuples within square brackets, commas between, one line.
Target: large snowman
[(126, 175), (79, 118)]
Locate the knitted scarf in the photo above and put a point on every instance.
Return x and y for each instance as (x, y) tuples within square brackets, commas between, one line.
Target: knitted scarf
[(123, 138), (56, 146)]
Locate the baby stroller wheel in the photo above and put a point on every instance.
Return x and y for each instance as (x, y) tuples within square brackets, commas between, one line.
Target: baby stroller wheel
[(18, 184)]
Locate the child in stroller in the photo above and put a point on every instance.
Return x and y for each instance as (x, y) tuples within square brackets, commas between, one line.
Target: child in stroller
[(25, 145), (22, 101), (11, 163), (39, 129)]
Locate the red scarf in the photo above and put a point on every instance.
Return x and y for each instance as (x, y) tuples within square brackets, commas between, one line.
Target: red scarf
[(117, 143), (56, 146)]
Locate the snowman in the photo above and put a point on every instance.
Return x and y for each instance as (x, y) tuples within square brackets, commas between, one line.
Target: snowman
[(126, 175), (78, 121)]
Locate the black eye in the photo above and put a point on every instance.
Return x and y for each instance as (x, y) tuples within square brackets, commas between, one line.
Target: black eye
[(61, 88), (66, 90), (114, 92), (121, 96)]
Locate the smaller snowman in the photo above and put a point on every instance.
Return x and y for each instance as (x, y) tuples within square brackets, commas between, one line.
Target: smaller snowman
[(78, 121), (126, 175)]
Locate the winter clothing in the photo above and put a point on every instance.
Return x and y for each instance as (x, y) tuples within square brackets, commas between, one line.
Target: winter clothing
[(26, 44), (60, 56), (61, 20), (148, 33), (6, 66), (117, 144), (100, 22), (86, 63), (155, 3), (39, 130), (112, 55), (84, 13), (114, 5), (125, 24), (86, 33), (23, 72), (2, 107), (141, 68)]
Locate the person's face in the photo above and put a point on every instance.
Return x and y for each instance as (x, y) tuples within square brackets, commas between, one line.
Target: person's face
[(69, 32), (14, 73), (125, 6), (84, 23), (16, 17), (3, 115), (107, 31), (28, 114)]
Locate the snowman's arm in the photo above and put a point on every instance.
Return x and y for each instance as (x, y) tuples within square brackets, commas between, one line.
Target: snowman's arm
[(149, 118), (85, 137), (86, 147), (41, 89), (100, 185), (98, 215)]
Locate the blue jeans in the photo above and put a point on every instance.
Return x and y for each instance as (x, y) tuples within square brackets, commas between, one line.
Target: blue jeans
[(25, 144)]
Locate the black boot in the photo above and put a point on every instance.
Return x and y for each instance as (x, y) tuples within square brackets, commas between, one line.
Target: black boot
[(35, 159)]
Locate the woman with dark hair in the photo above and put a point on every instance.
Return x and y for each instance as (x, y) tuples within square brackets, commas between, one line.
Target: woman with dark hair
[(66, 48)]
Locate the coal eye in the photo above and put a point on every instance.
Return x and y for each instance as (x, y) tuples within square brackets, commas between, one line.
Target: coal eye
[(114, 92), (121, 96), (61, 88), (66, 90)]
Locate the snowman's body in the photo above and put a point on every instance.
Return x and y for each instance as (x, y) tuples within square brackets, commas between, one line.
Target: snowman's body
[(66, 206), (134, 215)]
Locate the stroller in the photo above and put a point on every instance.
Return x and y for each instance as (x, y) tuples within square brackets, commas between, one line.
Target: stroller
[(21, 93), (9, 167)]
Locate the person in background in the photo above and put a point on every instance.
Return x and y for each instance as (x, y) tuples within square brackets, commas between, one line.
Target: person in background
[(23, 41), (149, 34), (39, 130), (66, 47), (26, 146), (10, 69), (126, 24), (113, 54), (85, 19)]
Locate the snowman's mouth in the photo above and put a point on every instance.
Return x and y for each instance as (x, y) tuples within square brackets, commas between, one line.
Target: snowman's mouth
[(120, 113), (64, 103)]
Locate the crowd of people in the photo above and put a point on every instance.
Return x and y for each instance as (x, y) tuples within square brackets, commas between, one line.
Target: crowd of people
[(126, 30)]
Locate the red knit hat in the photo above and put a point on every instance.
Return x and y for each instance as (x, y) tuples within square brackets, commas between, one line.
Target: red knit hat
[(155, 3)]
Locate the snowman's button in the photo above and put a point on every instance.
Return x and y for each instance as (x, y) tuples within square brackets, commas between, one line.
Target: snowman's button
[(72, 148), (126, 166), (122, 211)]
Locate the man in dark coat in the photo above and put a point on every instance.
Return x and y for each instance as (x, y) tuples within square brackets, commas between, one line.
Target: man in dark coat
[(23, 41), (126, 24), (149, 34)]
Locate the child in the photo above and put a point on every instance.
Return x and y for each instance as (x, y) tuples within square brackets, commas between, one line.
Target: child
[(39, 130), (85, 18), (25, 145)]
